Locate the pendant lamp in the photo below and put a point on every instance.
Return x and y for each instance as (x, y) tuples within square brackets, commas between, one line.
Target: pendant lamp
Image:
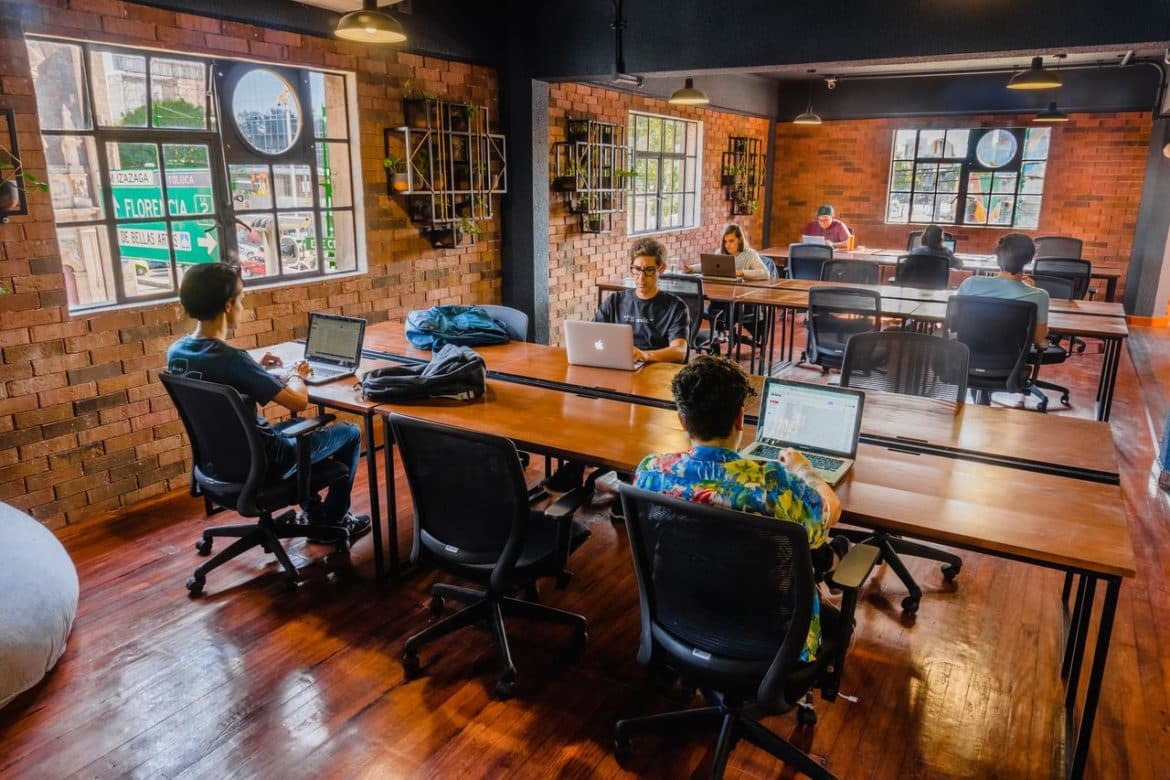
[(688, 96), (370, 25), (1035, 77)]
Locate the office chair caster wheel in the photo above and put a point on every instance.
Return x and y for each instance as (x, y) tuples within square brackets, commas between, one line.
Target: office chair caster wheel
[(195, 585), (437, 605), (949, 572), (621, 748), (806, 716), (410, 666), (203, 546), (910, 606), (1064, 400), (505, 688)]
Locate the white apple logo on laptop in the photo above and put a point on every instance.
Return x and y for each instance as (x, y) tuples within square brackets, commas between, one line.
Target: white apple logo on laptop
[(599, 345)]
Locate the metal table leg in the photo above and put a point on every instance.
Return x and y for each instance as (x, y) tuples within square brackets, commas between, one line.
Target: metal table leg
[(1080, 749), (1111, 358), (375, 512), (391, 499), (1079, 634), (1075, 628)]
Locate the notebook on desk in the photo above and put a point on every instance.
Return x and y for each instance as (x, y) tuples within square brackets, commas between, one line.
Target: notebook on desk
[(600, 344), (822, 422)]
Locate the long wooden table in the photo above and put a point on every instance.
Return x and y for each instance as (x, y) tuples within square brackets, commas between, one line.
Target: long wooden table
[(1074, 526), (971, 262)]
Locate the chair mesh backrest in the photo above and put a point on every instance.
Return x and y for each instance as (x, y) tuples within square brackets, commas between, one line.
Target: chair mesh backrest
[(998, 333), (731, 584), (923, 271), (468, 488), (908, 363), (835, 314), (805, 260), (690, 290), (850, 271), (1077, 271), (223, 434), (1058, 246), (513, 320), (1056, 286)]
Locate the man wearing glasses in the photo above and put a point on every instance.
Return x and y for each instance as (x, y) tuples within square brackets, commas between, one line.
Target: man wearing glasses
[(660, 320)]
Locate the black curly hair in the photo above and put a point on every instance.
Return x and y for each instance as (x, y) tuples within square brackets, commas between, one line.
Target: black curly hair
[(709, 393)]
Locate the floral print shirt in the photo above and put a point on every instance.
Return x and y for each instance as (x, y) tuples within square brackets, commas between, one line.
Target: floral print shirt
[(722, 477)]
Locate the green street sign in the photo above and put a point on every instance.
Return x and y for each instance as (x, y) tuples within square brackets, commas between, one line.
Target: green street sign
[(137, 193), (195, 241)]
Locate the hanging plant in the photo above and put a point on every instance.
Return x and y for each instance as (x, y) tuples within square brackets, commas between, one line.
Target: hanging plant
[(396, 166), (12, 173)]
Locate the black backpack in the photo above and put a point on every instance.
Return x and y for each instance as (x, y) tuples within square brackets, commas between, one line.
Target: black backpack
[(454, 372)]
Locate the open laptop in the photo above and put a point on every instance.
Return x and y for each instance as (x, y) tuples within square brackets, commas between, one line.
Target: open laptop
[(820, 421), (600, 344), (949, 243), (334, 346), (812, 240), (718, 266)]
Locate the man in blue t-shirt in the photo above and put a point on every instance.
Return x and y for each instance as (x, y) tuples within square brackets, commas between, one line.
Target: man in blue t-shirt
[(213, 295), (1013, 252)]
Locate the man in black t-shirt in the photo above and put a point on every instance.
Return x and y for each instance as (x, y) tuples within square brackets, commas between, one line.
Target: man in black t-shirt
[(213, 295), (660, 320)]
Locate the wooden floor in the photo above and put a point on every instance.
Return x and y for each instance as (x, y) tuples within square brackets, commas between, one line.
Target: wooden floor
[(251, 681)]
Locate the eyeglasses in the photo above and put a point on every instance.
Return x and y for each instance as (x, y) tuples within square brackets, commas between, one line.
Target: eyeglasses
[(646, 270)]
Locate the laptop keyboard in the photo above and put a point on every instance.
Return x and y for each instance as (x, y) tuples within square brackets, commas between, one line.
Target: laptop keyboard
[(819, 462), (322, 372)]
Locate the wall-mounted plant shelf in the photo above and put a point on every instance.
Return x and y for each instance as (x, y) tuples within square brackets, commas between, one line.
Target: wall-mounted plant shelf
[(589, 170), (452, 164), (742, 173)]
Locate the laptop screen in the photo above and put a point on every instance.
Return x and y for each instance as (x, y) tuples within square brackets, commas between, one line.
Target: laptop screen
[(815, 417), (949, 244), (335, 339), (812, 240)]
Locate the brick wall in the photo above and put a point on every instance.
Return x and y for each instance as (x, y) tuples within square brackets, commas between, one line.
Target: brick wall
[(85, 425), (1093, 184), (577, 260)]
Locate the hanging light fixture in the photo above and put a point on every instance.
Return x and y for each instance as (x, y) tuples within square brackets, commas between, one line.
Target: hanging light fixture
[(688, 96), (371, 25), (808, 117), (1051, 114), (1035, 77)]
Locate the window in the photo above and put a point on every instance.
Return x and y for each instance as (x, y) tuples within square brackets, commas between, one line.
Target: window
[(992, 177), (665, 159), (159, 161)]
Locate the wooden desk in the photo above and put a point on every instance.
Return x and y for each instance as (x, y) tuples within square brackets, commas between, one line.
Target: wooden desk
[(341, 395), (1071, 525), (1011, 437), (971, 262)]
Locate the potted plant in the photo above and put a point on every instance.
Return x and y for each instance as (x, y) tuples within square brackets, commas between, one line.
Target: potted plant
[(739, 145), (466, 231), (591, 223), (396, 167), (462, 177), (606, 134), (729, 174), (578, 130), (12, 174), (567, 181), (417, 106)]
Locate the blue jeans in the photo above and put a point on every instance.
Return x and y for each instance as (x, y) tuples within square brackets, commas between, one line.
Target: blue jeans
[(343, 443)]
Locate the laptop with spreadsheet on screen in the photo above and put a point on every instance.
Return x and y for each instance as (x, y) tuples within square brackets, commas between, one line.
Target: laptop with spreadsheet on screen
[(334, 346), (822, 422)]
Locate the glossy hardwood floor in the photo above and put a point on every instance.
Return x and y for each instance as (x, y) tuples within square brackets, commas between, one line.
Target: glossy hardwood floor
[(252, 681)]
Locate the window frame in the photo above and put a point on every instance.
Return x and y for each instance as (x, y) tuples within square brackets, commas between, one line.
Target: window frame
[(219, 129), (660, 159), (968, 164)]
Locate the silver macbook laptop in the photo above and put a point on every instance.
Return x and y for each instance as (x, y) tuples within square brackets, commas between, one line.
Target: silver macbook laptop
[(820, 421), (334, 346), (718, 266), (600, 344), (812, 240)]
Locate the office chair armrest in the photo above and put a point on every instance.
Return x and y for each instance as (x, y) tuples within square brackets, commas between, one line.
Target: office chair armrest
[(851, 572), (562, 513), (308, 425)]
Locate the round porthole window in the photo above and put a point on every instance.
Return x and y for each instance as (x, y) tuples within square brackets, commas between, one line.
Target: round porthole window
[(266, 112), (996, 149)]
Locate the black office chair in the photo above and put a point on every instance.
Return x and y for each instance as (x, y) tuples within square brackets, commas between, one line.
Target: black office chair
[(999, 335), (849, 271), (1057, 287), (1077, 271), (513, 320), (835, 314), (914, 239), (726, 603), (1058, 246), (231, 472), (923, 271), (472, 519), (805, 260), (689, 289), (911, 364)]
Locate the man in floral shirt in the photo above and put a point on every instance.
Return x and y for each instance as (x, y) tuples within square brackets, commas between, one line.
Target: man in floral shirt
[(710, 394)]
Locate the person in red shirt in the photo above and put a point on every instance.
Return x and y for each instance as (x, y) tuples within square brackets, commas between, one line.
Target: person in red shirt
[(834, 231)]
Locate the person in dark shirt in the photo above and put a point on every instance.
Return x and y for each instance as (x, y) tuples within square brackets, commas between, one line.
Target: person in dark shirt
[(834, 231), (213, 295), (660, 320), (932, 244)]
